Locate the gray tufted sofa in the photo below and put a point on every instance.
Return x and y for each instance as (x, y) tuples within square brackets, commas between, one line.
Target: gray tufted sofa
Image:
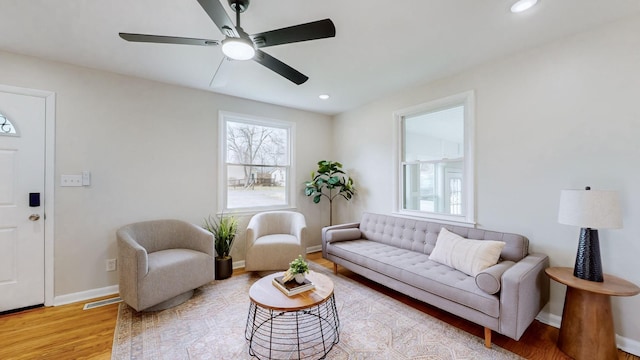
[(394, 252)]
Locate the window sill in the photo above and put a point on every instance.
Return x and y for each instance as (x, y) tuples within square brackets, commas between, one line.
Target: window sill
[(253, 211)]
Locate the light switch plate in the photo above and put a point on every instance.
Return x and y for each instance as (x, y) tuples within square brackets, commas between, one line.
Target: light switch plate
[(71, 180)]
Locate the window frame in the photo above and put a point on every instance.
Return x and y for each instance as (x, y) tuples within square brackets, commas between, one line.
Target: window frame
[(466, 99), (290, 195)]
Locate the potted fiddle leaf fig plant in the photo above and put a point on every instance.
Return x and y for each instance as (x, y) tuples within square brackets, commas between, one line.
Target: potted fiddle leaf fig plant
[(329, 181), (224, 232)]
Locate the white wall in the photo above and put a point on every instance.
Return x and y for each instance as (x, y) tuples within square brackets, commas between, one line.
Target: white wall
[(152, 152), (561, 116)]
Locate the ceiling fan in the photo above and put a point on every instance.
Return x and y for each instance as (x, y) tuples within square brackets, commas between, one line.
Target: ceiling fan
[(238, 45)]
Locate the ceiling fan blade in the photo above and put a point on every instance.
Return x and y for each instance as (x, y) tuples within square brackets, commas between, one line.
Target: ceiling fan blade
[(216, 12), (310, 31), (168, 39), (223, 73), (279, 67)]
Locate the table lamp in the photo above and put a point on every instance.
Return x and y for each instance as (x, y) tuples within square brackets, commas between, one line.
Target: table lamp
[(591, 210)]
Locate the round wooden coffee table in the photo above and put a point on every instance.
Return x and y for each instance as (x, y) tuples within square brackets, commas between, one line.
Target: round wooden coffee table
[(302, 326)]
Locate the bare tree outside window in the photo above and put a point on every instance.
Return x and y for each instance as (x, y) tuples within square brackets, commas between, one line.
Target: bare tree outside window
[(257, 160)]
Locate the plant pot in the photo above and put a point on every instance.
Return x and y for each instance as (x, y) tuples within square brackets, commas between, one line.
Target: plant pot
[(224, 267), (299, 278)]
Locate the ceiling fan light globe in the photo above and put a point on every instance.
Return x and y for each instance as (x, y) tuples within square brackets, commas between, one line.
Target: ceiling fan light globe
[(238, 49), (522, 5)]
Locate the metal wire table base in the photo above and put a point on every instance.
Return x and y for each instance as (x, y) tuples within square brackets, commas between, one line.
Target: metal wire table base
[(301, 334)]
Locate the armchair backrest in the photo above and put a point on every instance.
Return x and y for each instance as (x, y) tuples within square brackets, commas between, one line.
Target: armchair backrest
[(156, 235), (277, 222)]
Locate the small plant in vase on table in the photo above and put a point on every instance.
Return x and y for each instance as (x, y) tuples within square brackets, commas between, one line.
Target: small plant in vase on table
[(297, 270)]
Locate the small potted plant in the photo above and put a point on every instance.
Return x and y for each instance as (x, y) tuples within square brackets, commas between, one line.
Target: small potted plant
[(224, 233), (297, 269)]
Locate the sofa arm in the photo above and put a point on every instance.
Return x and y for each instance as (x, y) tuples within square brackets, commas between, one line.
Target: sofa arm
[(525, 291), (326, 229)]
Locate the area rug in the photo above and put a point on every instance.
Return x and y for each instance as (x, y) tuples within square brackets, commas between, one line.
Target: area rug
[(211, 325)]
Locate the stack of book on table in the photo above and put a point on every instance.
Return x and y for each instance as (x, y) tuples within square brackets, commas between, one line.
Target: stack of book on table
[(291, 288)]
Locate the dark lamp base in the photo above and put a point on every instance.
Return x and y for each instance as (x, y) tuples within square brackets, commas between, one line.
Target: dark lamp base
[(588, 264)]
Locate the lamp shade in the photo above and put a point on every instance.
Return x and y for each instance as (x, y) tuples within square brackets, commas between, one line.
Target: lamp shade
[(595, 209)]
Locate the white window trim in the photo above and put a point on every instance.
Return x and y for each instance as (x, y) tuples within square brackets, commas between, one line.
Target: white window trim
[(223, 116), (468, 99)]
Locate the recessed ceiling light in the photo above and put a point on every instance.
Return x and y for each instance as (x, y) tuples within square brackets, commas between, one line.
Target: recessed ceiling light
[(522, 5), (324, 96)]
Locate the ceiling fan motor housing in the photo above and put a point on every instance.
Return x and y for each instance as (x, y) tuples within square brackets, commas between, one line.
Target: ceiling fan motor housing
[(239, 5)]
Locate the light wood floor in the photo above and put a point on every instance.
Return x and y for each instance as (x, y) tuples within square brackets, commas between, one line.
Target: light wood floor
[(68, 332)]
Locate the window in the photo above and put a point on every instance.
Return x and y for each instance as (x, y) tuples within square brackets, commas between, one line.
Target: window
[(435, 159), (255, 163)]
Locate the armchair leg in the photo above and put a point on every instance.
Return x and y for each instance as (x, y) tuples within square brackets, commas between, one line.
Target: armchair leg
[(487, 337), (335, 268)]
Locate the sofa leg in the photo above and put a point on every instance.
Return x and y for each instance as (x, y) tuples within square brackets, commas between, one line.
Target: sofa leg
[(335, 268), (487, 337)]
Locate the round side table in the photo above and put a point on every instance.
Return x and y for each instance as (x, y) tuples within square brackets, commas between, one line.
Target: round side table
[(587, 330), (305, 325)]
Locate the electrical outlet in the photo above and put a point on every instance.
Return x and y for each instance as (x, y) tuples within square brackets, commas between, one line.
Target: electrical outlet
[(111, 264)]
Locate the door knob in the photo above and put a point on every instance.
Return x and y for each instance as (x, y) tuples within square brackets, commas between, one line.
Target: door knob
[(34, 217)]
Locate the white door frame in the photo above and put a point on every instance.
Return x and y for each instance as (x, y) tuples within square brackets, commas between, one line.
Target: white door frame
[(49, 182)]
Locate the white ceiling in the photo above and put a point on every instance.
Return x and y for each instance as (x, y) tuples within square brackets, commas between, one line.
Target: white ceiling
[(380, 46)]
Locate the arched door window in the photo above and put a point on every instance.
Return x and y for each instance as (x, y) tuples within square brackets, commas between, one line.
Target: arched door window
[(6, 127)]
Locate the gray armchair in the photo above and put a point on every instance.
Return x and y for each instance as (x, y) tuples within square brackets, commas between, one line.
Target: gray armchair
[(274, 239), (162, 261)]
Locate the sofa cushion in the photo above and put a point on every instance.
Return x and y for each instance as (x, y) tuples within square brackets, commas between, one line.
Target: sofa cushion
[(489, 279), (467, 255), (343, 234), (415, 269)]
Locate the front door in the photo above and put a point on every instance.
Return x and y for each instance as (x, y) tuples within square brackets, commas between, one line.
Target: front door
[(22, 183)]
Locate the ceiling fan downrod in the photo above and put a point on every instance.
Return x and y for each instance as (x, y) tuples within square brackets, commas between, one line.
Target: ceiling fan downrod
[(238, 6)]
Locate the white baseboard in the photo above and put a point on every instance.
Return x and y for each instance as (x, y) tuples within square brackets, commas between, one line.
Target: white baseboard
[(549, 319), (238, 264), (628, 345), (624, 344), (85, 295)]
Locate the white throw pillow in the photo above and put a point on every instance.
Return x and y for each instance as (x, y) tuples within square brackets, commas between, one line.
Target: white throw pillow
[(466, 255)]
